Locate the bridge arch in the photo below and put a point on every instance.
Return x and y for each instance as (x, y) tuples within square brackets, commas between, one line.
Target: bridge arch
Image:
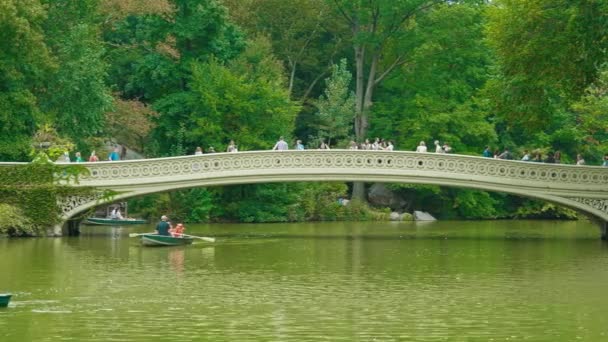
[(583, 188)]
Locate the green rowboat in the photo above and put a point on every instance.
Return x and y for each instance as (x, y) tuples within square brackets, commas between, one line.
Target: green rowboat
[(5, 298), (113, 222), (164, 240)]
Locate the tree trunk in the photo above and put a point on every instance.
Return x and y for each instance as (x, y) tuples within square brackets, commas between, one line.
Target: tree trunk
[(292, 76)]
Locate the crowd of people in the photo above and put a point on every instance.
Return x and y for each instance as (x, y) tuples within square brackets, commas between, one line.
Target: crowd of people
[(115, 155), (537, 156), (377, 145)]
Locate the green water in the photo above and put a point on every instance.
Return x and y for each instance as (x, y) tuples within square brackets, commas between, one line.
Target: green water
[(455, 281)]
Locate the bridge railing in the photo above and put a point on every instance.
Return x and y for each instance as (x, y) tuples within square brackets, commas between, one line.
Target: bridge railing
[(318, 161)]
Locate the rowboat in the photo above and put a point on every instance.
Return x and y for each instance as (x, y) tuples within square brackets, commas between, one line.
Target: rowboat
[(164, 240), (113, 222), (5, 298)]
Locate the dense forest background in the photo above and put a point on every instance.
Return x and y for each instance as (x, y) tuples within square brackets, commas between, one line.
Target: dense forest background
[(165, 76)]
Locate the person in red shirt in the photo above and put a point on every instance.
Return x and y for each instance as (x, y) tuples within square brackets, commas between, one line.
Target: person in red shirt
[(179, 230)]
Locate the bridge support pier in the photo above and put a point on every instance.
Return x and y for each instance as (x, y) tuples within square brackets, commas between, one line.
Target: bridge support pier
[(72, 227)]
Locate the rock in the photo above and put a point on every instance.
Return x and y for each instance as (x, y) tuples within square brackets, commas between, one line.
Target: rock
[(423, 216), (395, 216), (380, 195)]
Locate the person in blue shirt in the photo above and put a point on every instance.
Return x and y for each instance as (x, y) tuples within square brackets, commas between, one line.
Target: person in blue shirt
[(162, 228), (487, 152), (299, 145), (605, 163), (114, 156)]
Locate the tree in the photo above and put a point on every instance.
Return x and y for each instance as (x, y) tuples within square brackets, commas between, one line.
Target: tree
[(379, 32), (25, 61), (130, 122), (302, 35), (592, 115), (436, 96), (336, 106), (245, 100), (547, 53)]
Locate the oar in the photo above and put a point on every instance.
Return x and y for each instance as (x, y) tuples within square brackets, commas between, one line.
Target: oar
[(138, 234), (208, 239)]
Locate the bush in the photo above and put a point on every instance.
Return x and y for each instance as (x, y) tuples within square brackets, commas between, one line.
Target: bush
[(15, 223)]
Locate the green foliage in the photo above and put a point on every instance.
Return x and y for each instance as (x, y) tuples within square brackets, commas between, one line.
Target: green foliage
[(15, 223), (30, 192), (24, 62), (434, 96), (337, 104), (81, 96), (543, 210), (547, 53), (592, 115), (252, 109)]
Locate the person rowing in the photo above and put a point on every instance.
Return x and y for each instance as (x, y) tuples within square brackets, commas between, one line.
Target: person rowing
[(163, 227)]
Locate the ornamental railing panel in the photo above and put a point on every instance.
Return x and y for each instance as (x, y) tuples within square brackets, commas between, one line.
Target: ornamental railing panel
[(144, 171)]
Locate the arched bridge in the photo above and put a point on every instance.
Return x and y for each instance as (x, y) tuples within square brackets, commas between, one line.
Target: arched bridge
[(583, 188)]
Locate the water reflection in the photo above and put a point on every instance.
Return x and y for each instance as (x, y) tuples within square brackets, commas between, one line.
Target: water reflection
[(344, 281)]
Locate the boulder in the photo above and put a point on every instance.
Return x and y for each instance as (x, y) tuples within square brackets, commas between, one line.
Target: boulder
[(423, 216), (395, 216), (381, 196)]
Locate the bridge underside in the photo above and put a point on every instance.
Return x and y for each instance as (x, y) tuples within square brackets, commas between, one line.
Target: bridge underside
[(588, 203)]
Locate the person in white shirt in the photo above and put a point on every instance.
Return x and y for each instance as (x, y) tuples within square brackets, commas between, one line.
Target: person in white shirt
[(438, 148), (376, 144), (580, 160), (232, 147), (389, 146), (281, 145), (421, 147)]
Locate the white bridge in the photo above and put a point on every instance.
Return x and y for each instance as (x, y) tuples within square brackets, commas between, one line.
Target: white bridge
[(583, 188)]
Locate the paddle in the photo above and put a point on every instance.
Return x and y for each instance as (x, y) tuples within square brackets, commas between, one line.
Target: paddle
[(138, 234), (208, 239)]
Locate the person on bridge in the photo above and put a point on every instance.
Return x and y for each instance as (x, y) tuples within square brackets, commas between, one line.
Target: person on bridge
[(580, 160), (299, 145), (115, 155), (198, 152), (323, 145), (421, 147), (93, 157), (162, 228), (506, 155), (438, 147), (281, 145), (487, 153), (605, 163), (232, 147)]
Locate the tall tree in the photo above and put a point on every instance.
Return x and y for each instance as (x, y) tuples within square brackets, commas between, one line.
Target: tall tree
[(25, 61), (337, 104), (79, 95), (436, 96), (547, 53), (379, 32), (302, 35)]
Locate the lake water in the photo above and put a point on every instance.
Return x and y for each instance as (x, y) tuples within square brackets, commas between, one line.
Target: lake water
[(456, 281)]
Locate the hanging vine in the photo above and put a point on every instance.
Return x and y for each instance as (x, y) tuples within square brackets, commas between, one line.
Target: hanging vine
[(29, 194)]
